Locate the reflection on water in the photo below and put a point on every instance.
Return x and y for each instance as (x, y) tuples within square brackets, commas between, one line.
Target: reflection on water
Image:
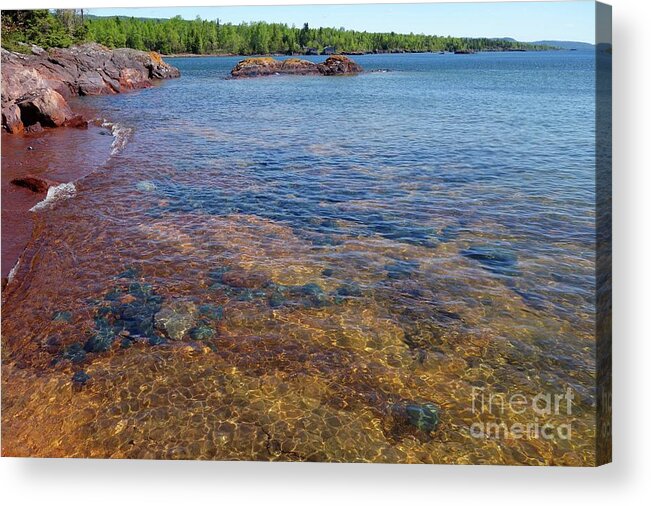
[(314, 269)]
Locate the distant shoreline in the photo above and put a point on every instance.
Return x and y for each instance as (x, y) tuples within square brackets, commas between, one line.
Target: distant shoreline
[(300, 55)]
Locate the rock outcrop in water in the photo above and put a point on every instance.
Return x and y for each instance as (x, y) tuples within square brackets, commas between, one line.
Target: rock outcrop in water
[(35, 87), (337, 65), (259, 67)]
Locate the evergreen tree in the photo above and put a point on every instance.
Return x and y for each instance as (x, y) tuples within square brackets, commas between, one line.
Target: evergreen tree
[(64, 27)]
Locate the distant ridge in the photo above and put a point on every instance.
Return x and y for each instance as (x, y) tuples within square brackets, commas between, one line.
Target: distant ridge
[(564, 44)]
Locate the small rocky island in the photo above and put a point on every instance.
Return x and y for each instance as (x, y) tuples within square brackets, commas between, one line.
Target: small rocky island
[(264, 66), (35, 86)]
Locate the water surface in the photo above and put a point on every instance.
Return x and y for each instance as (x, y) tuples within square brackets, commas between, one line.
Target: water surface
[(334, 252)]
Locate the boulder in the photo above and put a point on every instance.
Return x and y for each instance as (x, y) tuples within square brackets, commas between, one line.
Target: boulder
[(11, 119), (44, 106), (36, 128), (76, 121), (338, 65), (258, 67)]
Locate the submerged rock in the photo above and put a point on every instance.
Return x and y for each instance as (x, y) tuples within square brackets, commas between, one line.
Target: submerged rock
[(258, 67), (308, 289), (211, 311), (309, 295), (100, 341), (80, 377), (75, 353), (449, 233), (130, 273), (494, 259), (423, 417), (217, 275), (327, 272), (276, 299), (175, 319), (350, 289), (36, 184), (155, 340), (248, 294), (401, 269), (202, 332), (129, 315)]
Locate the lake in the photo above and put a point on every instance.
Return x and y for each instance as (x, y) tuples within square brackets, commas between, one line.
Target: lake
[(316, 268)]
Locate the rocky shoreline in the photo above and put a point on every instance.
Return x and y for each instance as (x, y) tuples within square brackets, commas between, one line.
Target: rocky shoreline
[(35, 93), (266, 66), (35, 86)]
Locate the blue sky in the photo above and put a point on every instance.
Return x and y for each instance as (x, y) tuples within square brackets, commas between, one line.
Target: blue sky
[(525, 21)]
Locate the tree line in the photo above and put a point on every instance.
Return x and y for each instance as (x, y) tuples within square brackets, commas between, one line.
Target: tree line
[(64, 27)]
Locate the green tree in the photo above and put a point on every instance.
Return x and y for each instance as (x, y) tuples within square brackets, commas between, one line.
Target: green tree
[(176, 35), (304, 35)]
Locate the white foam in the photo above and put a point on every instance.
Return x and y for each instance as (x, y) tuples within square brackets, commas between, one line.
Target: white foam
[(120, 135), (62, 191), (13, 271), (146, 186)]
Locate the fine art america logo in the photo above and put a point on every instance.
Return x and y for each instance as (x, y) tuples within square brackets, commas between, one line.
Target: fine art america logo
[(541, 410)]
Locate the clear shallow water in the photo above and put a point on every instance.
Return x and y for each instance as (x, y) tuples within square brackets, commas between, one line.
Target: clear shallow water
[(334, 252)]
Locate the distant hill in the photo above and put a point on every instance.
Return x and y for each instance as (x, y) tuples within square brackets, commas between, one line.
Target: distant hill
[(564, 44)]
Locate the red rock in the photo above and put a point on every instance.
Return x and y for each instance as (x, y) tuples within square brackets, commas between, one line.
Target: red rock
[(44, 106), (34, 183), (11, 119), (34, 129), (258, 67), (76, 122), (90, 69), (134, 78), (337, 65), (297, 66)]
